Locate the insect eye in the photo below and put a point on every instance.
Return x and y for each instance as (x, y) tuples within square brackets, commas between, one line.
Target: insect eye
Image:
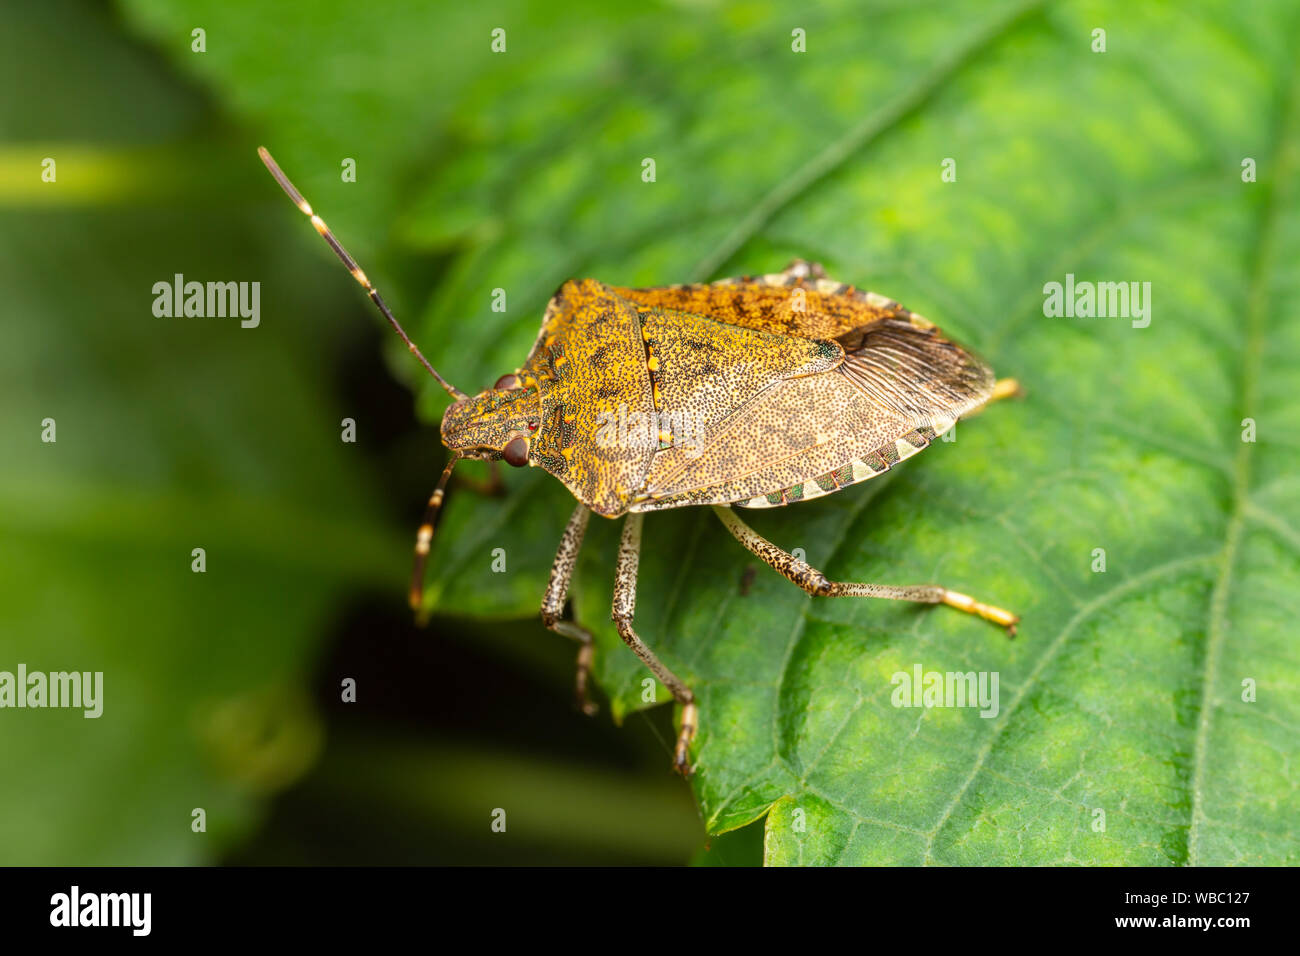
[(516, 452), (508, 381)]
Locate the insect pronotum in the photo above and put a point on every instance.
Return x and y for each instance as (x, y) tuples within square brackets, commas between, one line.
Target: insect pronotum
[(751, 392)]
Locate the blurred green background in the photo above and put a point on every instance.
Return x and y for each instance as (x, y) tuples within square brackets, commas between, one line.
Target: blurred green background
[(223, 688), (478, 170)]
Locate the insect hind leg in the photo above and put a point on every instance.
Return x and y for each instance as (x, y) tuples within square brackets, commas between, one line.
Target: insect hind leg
[(557, 591), (816, 583), (1003, 388)]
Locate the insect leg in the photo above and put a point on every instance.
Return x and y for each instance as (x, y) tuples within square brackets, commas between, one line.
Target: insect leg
[(629, 557), (815, 583), (804, 269), (1002, 388), (1005, 388), (557, 590)]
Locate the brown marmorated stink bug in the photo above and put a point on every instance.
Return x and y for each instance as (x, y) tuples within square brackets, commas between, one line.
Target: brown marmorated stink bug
[(791, 386)]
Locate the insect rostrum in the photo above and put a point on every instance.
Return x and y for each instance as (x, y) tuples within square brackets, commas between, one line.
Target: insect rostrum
[(791, 385)]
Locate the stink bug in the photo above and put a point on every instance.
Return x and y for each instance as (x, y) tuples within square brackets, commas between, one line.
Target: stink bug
[(757, 392)]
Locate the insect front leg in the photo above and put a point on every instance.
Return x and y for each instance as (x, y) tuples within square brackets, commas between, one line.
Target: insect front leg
[(629, 559), (815, 583), (557, 591)]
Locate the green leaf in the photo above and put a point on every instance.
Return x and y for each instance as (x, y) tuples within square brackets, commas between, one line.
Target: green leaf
[(1126, 690)]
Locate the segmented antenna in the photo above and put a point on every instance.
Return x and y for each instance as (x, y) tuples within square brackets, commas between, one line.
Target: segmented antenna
[(424, 537), (355, 269)]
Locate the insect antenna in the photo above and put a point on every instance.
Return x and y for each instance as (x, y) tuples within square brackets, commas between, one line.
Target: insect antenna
[(424, 537), (351, 263)]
